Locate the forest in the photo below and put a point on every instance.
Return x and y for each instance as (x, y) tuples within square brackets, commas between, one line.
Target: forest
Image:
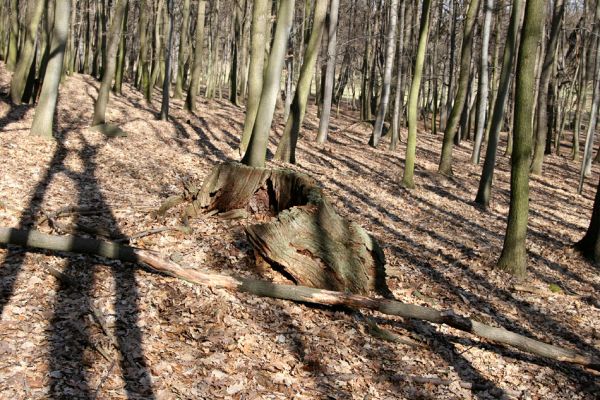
[(314, 199)]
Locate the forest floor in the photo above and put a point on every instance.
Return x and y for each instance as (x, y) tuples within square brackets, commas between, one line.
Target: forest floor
[(163, 338)]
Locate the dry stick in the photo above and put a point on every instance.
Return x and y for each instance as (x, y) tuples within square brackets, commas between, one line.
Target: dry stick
[(35, 239)]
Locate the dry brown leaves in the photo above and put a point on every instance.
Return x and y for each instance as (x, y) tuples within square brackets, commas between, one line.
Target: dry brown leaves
[(122, 332)]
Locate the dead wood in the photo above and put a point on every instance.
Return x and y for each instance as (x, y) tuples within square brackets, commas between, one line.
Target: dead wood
[(305, 238), (36, 239)]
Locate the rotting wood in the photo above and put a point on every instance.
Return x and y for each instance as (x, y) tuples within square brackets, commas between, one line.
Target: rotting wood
[(305, 238), (156, 262)]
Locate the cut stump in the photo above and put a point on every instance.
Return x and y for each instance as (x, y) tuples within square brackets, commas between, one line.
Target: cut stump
[(306, 239)]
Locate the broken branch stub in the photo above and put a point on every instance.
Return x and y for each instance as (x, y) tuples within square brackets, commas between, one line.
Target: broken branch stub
[(306, 239)]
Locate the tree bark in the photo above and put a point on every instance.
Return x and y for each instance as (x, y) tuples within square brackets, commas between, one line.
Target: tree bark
[(193, 89), (23, 67), (545, 77), (11, 59), (166, 92), (44, 112), (329, 72), (514, 252), (484, 191), (183, 45), (483, 93), (387, 75), (257, 147), (110, 66), (399, 95), (445, 166), (286, 149), (260, 17), (413, 98)]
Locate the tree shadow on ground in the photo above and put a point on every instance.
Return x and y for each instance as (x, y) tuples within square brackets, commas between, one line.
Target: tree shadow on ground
[(68, 335)]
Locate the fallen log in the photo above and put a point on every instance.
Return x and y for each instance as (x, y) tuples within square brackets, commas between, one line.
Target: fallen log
[(36, 239)]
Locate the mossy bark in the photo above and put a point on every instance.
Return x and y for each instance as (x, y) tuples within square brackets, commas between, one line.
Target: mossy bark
[(413, 98), (514, 252)]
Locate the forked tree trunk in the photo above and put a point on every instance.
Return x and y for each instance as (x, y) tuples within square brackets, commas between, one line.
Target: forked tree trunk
[(44, 112), (19, 79), (286, 149), (514, 252), (257, 147), (260, 14)]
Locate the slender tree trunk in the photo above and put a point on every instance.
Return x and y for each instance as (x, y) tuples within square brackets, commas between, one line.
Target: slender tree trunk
[(329, 72), (11, 59), (387, 75), (514, 252), (144, 65), (545, 76), (257, 147), (23, 67), (166, 91), (445, 166), (260, 17), (156, 51), (399, 95), (121, 56), (88, 38), (44, 112), (286, 150), (193, 89), (482, 104), (110, 66), (183, 45), (510, 48), (413, 97), (586, 162), (235, 44)]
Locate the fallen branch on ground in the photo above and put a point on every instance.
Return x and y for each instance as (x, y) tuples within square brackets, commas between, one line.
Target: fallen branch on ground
[(74, 244)]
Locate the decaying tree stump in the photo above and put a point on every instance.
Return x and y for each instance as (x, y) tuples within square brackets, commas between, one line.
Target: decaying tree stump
[(306, 239)]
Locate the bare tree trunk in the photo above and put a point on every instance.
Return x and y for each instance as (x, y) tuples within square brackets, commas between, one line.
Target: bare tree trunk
[(23, 67), (257, 147), (286, 149), (11, 59), (166, 92), (44, 112), (514, 252), (193, 89), (545, 77), (329, 72), (482, 104), (109, 69), (445, 166), (413, 97), (387, 75), (399, 96), (183, 45), (510, 48), (260, 17)]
